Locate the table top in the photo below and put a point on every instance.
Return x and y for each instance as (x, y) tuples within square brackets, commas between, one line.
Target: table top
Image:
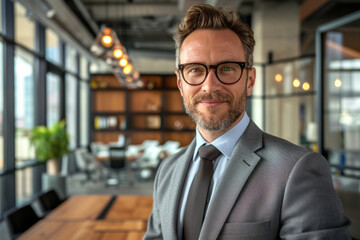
[(80, 207), (130, 207), (88, 229), (76, 218)]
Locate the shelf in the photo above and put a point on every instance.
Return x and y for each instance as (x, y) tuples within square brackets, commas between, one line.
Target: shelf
[(99, 113), (153, 112)]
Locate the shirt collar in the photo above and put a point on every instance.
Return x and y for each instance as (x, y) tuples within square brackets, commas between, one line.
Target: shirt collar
[(226, 142)]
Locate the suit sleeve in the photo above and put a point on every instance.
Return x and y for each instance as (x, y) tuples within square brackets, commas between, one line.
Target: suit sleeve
[(311, 208), (154, 227)]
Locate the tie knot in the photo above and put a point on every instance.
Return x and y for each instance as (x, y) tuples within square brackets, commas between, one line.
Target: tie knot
[(208, 152)]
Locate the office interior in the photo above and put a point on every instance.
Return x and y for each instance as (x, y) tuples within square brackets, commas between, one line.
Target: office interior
[(307, 60)]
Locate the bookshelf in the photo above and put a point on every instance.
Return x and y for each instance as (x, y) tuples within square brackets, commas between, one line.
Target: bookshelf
[(152, 112)]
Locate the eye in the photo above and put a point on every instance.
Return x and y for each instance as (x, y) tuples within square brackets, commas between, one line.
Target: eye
[(227, 68), (194, 69)]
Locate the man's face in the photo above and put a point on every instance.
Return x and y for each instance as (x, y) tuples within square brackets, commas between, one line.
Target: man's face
[(212, 105)]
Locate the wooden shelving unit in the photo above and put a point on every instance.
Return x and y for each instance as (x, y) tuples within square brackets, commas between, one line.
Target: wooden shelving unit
[(153, 112)]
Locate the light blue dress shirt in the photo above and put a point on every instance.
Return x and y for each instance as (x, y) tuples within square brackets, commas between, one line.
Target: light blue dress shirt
[(226, 144)]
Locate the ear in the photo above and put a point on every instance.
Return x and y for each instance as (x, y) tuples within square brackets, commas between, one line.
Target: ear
[(250, 81), (179, 83)]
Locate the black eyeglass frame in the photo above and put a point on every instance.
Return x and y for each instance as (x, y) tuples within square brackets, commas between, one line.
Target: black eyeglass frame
[(208, 67)]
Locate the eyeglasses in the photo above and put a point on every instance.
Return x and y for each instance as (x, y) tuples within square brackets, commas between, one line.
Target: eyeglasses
[(226, 72)]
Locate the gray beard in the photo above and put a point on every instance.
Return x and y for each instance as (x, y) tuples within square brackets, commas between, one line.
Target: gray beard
[(217, 122)]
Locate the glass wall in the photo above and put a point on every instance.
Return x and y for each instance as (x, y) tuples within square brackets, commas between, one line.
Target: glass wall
[(24, 105), (1, 108), (1, 17), (71, 108), (84, 102), (70, 59), (342, 97), (24, 181), (290, 100), (84, 113), (24, 27), (52, 98), (53, 48)]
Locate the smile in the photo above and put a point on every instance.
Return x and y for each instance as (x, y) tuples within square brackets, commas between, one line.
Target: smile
[(212, 102)]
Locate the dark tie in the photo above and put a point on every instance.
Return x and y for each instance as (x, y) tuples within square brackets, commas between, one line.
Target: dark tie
[(197, 198)]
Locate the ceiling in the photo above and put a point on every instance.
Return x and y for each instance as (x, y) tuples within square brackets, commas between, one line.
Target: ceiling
[(147, 26)]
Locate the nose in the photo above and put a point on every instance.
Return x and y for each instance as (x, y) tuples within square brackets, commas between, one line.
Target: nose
[(211, 83)]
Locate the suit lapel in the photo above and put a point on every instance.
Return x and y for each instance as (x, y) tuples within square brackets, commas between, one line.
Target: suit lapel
[(241, 164), (177, 183)]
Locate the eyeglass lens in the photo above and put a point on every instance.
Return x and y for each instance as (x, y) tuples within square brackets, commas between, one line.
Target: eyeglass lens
[(226, 72)]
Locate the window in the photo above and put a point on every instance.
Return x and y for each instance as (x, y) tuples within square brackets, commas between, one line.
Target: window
[(52, 98), (52, 46), (70, 56), (342, 97), (84, 113), (1, 16), (24, 27), (1, 108), (24, 188), (84, 73), (71, 109), (290, 100), (24, 104)]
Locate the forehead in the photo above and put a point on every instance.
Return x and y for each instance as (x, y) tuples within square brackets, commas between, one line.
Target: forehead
[(211, 46)]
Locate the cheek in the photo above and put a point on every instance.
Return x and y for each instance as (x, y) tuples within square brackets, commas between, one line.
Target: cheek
[(189, 91)]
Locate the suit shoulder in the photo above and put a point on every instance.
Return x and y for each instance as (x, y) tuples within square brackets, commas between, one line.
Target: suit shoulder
[(282, 149)]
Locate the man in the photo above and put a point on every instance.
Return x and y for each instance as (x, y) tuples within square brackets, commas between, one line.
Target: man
[(261, 187)]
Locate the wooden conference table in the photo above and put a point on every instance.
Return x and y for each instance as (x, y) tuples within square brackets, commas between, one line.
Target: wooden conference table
[(101, 217)]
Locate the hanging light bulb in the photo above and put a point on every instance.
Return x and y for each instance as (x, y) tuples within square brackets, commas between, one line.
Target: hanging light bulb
[(104, 41), (124, 61), (107, 40), (296, 83), (306, 86), (127, 69), (118, 53)]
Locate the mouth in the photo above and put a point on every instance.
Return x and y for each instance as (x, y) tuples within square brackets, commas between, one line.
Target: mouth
[(212, 102)]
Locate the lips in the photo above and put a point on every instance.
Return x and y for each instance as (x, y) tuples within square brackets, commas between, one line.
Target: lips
[(212, 99), (212, 102)]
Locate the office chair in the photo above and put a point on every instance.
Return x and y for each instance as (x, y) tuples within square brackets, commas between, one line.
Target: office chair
[(117, 163), (49, 201), (86, 163), (20, 219)]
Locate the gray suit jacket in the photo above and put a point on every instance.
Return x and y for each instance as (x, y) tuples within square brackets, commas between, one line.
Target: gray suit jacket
[(271, 189)]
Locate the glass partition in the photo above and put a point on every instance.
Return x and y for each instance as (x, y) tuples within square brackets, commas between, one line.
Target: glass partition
[(24, 26), (289, 101), (84, 113), (71, 109), (24, 105), (52, 98), (70, 59), (52, 46), (342, 97), (1, 108)]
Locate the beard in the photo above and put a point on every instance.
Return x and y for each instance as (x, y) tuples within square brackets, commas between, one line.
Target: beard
[(215, 121)]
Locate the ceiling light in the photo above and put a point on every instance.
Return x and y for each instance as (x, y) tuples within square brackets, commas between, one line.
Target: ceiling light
[(296, 83), (306, 86), (337, 83), (278, 77)]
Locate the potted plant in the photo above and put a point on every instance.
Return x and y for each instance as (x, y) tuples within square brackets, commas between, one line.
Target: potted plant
[(50, 143)]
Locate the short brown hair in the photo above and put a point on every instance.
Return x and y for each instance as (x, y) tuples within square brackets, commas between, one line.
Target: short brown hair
[(204, 16)]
